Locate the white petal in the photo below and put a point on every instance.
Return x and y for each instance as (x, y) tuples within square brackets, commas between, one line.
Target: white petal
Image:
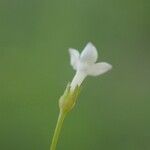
[(74, 57), (89, 54), (77, 80), (99, 68)]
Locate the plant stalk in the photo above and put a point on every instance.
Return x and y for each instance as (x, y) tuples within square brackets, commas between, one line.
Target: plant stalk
[(58, 127)]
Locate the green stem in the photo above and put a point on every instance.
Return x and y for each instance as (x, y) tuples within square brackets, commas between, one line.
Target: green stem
[(59, 124)]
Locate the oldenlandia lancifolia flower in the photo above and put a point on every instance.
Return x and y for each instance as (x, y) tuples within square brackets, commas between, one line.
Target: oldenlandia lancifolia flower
[(85, 64)]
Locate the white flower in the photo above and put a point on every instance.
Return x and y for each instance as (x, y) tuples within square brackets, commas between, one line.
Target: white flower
[(85, 64)]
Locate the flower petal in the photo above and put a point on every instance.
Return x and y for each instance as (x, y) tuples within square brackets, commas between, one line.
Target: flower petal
[(89, 54), (99, 68), (74, 57)]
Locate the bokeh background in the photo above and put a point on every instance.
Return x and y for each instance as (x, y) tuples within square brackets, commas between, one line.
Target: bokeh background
[(113, 111)]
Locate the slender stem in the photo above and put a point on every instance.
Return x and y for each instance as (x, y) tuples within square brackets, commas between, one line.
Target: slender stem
[(59, 124)]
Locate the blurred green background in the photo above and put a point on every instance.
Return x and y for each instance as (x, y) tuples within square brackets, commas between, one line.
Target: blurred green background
[(113, 111)]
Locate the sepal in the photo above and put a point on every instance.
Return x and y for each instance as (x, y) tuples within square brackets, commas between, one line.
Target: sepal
[(68, 100)]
